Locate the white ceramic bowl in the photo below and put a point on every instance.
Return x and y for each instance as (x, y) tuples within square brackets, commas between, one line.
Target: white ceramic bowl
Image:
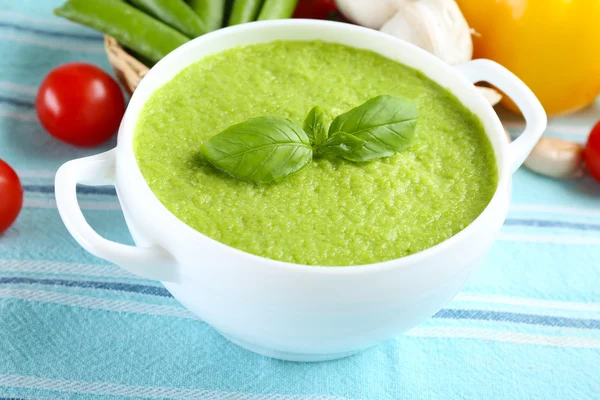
[(284, 310)]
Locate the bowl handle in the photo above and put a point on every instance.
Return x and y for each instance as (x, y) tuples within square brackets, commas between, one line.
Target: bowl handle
[(151, 262), (529, 105)]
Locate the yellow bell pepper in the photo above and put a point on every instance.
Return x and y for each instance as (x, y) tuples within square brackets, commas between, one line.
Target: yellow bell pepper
[(552, 45)]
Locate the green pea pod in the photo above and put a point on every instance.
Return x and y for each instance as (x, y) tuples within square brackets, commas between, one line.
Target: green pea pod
[(175, 13), (244, 11), (130, 26), (210, 11), (277, 9), (227, 14)]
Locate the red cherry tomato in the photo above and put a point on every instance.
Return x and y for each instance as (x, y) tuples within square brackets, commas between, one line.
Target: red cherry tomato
[(592, 152), (315, 9), (11, 196), (80, 104)]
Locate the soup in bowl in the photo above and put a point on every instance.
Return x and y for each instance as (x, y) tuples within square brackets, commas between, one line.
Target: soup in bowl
[(259, 261)]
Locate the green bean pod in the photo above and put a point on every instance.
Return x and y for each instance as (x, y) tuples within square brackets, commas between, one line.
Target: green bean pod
[(244, 11), (210, 11), (277, 9), (130, 26), (175, 13)]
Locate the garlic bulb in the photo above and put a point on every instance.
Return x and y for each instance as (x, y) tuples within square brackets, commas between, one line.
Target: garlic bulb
[(437, 26), (370, 13)]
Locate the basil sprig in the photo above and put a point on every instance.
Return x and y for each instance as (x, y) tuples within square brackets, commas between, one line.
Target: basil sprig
[(269, 149)]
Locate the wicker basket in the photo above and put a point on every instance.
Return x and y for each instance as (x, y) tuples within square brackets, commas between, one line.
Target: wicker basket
[(129, 70)]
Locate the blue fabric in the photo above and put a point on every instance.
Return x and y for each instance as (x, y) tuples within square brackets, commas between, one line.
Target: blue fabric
[(527, 326)]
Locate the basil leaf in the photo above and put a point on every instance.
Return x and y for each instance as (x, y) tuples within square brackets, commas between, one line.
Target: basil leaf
[(340, 144), (262, 150), (315, 126), (385, 123)]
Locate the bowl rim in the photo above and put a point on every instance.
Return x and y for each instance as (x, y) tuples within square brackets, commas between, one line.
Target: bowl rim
[(125, 153)]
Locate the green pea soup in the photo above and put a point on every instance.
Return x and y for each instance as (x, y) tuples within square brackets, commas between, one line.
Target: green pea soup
[(334, 212)]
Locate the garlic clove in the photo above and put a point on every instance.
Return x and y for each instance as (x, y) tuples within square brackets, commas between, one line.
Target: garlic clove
[(556, 158), (370, 13), (491, 95), (437, 26)]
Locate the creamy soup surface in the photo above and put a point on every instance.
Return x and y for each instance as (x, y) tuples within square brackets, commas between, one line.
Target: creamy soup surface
[(334, 212)]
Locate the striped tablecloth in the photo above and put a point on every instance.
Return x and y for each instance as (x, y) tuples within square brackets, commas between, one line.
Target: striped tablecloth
[(526, 327)]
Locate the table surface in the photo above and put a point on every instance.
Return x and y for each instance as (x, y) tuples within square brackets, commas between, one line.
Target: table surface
[(527, 326)]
